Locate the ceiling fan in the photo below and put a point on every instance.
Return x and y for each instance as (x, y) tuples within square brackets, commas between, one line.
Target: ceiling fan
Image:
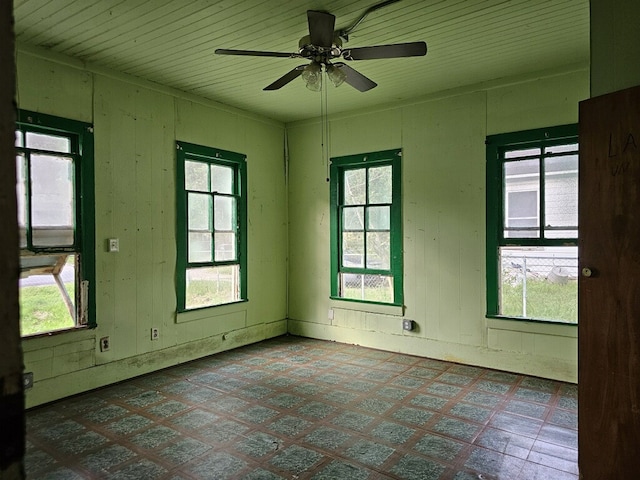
[(323, 45)]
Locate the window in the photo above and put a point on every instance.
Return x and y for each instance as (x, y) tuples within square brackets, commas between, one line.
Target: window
[(54, 187), (522, 209), (366, 228), (532, 224), (212, 227)]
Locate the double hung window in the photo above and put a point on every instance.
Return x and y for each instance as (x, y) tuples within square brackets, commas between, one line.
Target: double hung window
[(532, 224), (54, 185), (366, 228), (212, 226)]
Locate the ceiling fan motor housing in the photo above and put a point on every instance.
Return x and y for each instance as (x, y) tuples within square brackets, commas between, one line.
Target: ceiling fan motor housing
[(317, 53)]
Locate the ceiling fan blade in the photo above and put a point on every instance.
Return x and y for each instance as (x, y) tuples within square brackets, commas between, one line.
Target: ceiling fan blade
[(413, 49), (321, 26), (286, 78), (254, 53), (355, 78)]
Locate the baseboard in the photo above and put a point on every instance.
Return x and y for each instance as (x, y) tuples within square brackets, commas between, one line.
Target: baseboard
[(545, 367), (97, 376)]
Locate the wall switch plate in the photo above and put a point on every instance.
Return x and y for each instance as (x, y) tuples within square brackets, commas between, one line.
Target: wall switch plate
[(114, 245), (407, 324), (330, 314), (105, 344), (28, 380), (155, 333)]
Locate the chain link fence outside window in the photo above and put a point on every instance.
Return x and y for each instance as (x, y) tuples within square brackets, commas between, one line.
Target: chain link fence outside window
[(540, 283)]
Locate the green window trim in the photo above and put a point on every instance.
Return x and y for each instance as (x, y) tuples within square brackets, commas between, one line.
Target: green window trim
[(236, 163), (496, 146), (80, 136), (365, 161)]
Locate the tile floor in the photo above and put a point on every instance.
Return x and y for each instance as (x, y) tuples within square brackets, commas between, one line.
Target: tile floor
[(297, 408)]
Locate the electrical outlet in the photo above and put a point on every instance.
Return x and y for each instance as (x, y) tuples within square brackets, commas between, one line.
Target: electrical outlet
[(407, 324), (155, 333), (28, 380), (105, 344)]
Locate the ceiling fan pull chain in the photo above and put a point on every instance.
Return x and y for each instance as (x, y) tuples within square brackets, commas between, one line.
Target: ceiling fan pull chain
[(327, 127)]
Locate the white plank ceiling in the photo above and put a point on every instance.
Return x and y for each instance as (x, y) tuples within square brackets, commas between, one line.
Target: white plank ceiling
[(171, 42)]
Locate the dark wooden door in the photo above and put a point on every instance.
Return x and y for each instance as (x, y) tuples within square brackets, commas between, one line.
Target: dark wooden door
[(609, 287)]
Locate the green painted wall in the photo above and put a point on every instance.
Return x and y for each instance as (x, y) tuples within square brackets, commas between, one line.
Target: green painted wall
[(442, 137), (444, 226), (135, 127)]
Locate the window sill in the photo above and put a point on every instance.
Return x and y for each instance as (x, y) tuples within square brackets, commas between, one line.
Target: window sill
[(369, 307), (531, 320), (209, 312), (532, 326), (53, 333)]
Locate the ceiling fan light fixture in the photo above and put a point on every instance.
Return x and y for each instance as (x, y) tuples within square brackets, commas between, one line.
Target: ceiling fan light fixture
[(315, 86), (336, 75), (312, 75)]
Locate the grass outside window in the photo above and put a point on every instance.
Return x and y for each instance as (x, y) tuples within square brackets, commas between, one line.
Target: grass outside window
[(42, 309)]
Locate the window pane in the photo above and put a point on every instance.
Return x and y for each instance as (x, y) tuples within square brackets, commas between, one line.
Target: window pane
[(353, 218), (54, 143), (373, 288), (522, 153), (199, 247), (21, 199), (353, 249), (561, 233), (539, 283), (573, 147), (355, 186), (225, 247), (561, 193), (52, 200), (522, 170), (221, 179), (19, 142), (378, 250), (380, 185), (44, 306), (199, 211), (224, 213), (206, 286), (378, 218), (196, 176), (521, 203)]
